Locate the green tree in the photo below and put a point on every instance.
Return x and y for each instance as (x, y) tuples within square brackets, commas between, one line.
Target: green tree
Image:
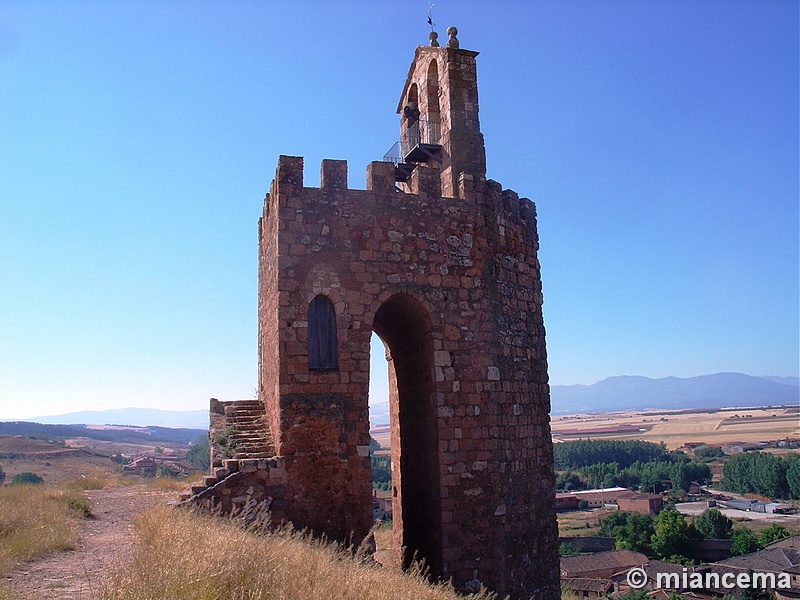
[(757, 472), (381, 472), (566, 549), (612, 521), (634, 595), (673, 536), (2, 475), (600, 474), (744, 542), (773, 533), (793, 475), (636, 534), (569, 480), (631, 531), (756, 593), (198, 453), (582, 453), (26, 478), (713, 525), (706, 452), (684, 473)]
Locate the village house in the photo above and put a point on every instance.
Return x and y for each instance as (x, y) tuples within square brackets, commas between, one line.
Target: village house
[(652, 568), (773, 562), (600, 497), (382, 505), (566, 501), (586, 587), (141, 465), (601, 565), (648, 504)]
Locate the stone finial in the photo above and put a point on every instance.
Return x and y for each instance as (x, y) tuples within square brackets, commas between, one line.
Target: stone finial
[(452, 40), (433, 38)]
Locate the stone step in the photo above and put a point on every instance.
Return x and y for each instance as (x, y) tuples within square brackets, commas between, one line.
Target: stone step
[(246, 419), (245, 409), (242, 436), (251, 434), (246, 455), (247, 426), (255, 453), (245, 416)]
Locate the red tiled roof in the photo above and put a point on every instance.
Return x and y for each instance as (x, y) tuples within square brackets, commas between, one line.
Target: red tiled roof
[(587, 584), (616, 560)]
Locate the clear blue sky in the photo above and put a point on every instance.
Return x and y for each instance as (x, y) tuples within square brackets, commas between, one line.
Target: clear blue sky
[(658, 139)]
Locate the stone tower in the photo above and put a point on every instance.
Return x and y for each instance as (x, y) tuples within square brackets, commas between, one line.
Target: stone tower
[(442, 264)]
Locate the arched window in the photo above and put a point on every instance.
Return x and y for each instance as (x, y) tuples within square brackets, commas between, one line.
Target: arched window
[(411, 109), (323, 353), (432, 92)]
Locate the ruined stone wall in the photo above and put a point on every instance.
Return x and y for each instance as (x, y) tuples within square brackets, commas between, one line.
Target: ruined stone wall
[(242, 485), (452, 286)]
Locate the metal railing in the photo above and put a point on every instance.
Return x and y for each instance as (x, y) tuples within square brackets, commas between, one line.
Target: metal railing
[(421, 132), (393, 155)]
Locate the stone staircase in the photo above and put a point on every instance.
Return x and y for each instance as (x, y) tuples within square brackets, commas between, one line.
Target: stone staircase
[(247, 431), (240, 442)]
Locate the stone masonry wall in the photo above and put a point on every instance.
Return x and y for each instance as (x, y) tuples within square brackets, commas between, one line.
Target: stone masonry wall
[(242, 485), (452, 286)]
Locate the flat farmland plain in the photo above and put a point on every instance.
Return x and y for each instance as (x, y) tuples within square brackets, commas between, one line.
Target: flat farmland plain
[(676, 428)]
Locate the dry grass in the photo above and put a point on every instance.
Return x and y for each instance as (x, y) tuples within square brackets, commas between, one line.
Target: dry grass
[(186, 555), (172, 484), (581, 523), (7, 594), (87, 483), (36, 520)]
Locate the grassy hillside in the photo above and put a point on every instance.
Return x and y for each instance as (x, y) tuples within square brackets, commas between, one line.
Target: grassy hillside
[(119, 434), (182, 554), (52, 461), (38, 519)]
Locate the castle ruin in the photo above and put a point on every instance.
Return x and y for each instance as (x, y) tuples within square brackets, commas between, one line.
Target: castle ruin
[(441, 264)]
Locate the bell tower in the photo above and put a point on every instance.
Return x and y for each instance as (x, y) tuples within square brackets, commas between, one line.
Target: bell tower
[(442, 264), (438, 108)]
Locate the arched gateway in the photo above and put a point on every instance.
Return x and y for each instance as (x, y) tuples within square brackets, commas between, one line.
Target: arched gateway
[(442, 264)]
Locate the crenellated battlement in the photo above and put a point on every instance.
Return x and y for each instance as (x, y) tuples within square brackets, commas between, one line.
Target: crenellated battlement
[(424, 184)]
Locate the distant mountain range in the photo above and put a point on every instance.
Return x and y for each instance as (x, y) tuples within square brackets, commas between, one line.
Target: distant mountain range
[(140, 417), (706, 391), (612, 394), (639, 393)]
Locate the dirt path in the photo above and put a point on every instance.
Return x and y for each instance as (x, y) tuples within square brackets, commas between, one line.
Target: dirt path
[(106, 541)]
